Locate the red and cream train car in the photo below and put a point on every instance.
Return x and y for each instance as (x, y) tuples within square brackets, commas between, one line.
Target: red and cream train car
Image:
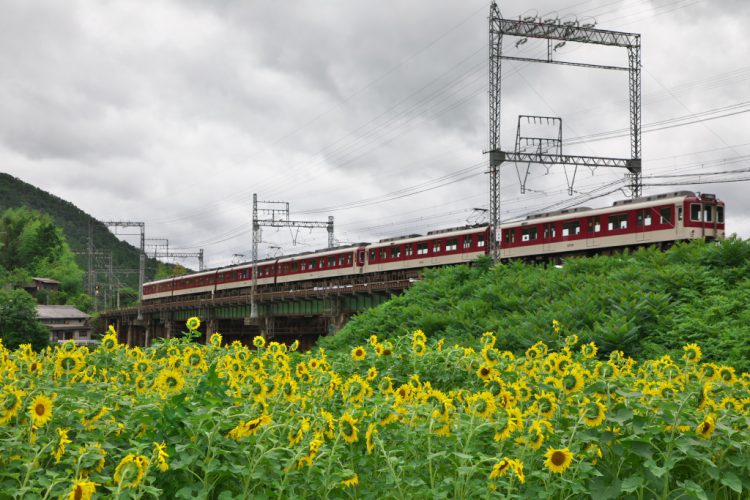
[(657, 219)]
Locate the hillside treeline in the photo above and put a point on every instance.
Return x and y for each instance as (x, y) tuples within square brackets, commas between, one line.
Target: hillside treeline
[(646, 303)]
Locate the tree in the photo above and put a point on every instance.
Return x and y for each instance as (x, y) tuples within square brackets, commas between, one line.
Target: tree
[(18, 323)]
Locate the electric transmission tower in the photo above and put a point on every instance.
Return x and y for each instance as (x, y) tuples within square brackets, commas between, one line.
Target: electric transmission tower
[(142, 254), (276, 217), (561, 33)]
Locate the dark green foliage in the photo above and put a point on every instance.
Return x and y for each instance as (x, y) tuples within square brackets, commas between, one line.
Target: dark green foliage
[(645, 303), (74, 223), (18, 323)]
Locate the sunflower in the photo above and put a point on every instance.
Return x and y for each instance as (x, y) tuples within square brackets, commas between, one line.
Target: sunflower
[(40, 410), (571, 340), (419, 348), (588, 350), (359, 353), (249, 428), (142, 366), (193, 323), (295, 435), (68, 363), (726, 373), (348, 428), (692, 353), (82, 489), (485, 372), (62, 441), (729, 403), (419, 337), (372, 373), (169, 381), (160, 450), (109, 342), (215, 339), (259, 342), (490, 355), (130, 471), (558, 460), (351, 481), (572, 382), (92, 458), (706, 428), (369, 435), (482, 404), (593, 412), (501, 468), (546, 404), (10, 403)]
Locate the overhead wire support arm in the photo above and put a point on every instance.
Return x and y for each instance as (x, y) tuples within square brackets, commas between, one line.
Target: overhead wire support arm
[(562, 32), (276, 217), (142, 256)]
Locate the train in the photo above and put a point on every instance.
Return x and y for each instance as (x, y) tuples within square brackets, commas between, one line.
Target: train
[(661, 220)]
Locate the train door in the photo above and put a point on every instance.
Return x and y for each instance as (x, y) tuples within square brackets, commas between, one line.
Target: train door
[(642, 221), (593, 227), (361, 259), (548, 237)]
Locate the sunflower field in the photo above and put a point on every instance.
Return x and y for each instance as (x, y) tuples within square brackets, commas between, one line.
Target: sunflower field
[(404, 417)]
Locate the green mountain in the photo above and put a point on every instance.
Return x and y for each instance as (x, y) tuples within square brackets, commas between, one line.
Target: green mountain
[(75, 224)]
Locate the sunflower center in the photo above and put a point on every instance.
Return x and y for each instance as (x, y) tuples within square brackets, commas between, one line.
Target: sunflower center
[(68, 364), (78, 494), (558, 458), (39, 409)]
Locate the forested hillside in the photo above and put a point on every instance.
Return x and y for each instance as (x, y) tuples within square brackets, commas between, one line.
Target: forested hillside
[(646, 304), (74, 222)]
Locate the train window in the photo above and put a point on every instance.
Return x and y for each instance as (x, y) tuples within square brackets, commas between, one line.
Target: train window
[(395, 252), (720, 215), (618, 221), (221, 278), (437, 246), (695, 211), (451, 245), (508, 233), (708, 213), (382, 254), (294, 267), (528, 234), (467, 242), (571, 228), (332, 260), (342, 260), (549, 231), (594, 225), (679, 213), (665, 215), (372, 255), (421, 248), (349, 258), (303, 266), (408, 250), (480, 241), (313, 263)]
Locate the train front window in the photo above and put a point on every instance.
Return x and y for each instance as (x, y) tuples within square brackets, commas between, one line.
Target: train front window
[(720, 215), (695, 212), (708, 213)]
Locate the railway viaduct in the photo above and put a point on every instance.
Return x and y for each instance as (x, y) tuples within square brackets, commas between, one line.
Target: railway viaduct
[(301, 312)]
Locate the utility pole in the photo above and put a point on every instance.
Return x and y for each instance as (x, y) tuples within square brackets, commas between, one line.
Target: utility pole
[(142, 255), (559, 33), (276, 217)]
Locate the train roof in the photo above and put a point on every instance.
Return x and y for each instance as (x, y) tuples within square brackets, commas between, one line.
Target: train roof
[(641, 202), (456, 231)]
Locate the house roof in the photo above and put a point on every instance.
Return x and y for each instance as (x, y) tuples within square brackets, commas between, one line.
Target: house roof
[(48, 281), (59, 312)]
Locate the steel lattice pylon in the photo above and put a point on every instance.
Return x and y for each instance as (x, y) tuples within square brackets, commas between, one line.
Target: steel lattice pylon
[(569, 32)]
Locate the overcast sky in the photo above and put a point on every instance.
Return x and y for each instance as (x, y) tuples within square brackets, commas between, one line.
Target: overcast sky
[(175, 112)]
